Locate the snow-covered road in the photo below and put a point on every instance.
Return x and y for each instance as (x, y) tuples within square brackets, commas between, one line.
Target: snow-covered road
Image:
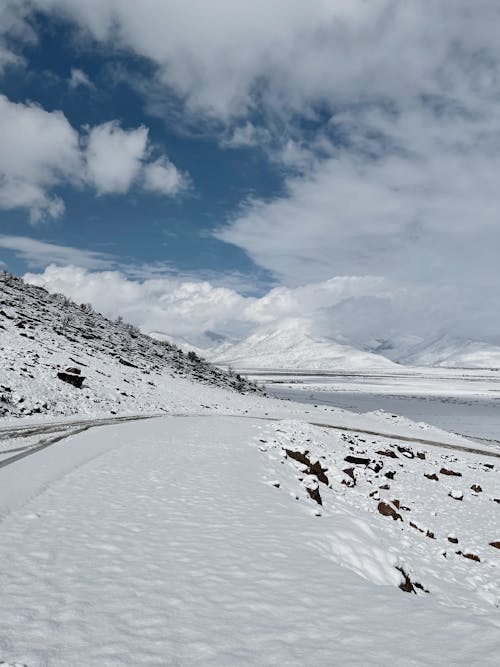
[(163, 542)]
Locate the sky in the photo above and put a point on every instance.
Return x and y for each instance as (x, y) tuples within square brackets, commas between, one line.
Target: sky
[(229, 166)]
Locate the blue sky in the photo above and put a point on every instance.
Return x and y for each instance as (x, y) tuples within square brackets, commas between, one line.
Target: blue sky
[(140, 228), (248, 164)]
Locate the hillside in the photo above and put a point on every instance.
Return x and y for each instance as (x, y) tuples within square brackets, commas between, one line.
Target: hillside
[(124, 371), (292, 347), (449, 352)]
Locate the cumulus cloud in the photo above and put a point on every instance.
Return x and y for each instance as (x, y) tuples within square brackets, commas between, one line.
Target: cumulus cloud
[(387, 113), (189, 307), (114, 156), (163, 177), (40, 151)]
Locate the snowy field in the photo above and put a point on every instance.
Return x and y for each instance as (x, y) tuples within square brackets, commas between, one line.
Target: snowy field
[(461, 401), (231, 541)]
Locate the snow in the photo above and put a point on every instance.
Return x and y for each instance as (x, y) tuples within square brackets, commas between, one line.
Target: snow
[(292, 347), (170, 546), (227, 528), (449, 352)]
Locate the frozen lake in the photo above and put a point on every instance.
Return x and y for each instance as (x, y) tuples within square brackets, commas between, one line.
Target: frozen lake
[(466, 402)]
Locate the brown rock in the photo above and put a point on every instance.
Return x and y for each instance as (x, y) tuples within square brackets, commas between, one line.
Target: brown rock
[(387, 510), (453, 540), (476, 488), (431, 476), (451, 473), (495, 544)]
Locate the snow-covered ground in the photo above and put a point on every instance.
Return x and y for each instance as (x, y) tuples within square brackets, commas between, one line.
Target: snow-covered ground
[(229, 528), (195, 541)]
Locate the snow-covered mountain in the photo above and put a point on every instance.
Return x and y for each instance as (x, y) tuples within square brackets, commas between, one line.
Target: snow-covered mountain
[(44, 337), (447, 352), (292, 346)]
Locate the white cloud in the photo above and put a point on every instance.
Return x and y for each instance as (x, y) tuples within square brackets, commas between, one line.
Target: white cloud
[(388, 111), (40, 253), (114, 156), (163, 177), (246, 136), (40, 151), (79, 78), (188, 307)]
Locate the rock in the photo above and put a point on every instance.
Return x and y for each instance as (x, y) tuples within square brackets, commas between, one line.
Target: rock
[(71, 378), (421, 455), (314, 494), (477, 488), (390, 474), (450, 473), (387, 452), (432, 476), (470, 556), (312, 468), (386, 510), (496, 545), (406, 451), (357, 460), (73, 370), (456, 495), (452, 539)]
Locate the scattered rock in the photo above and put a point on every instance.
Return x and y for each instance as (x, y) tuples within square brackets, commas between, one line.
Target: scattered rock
[(452, 539), (387, 452), (456, 495), (357, 460), (407, 585), (421, 455), (406, 451), (451, 473), (71, 378), (470, 556), (495, 544), (350, 472), (312, 468), (390, 474), (385, 487), (386, 510), (477, 488), (432, 476)]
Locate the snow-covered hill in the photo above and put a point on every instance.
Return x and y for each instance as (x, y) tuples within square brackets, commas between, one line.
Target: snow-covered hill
[(43, 335), (449, 352), (293, 347)]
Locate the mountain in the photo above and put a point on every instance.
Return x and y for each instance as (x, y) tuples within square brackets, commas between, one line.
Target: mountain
[(292, 346), (450, 352), (62, 358)]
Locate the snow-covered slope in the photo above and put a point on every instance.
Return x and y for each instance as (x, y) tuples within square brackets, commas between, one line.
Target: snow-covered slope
[(201, 542), (42, 334), (292, 347), (449, 352)]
